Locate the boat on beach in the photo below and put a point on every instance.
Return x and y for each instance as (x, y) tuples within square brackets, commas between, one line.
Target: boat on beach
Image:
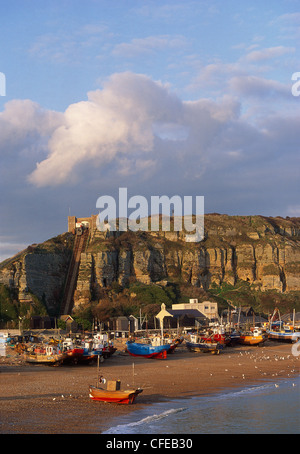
[(127, 396), (199, 344), (254, 337), (280, 331), (73, 352), (147, 350), (216, 334), (234, 337), (50, 355), (286, 334), (113, 392), (101, 346)]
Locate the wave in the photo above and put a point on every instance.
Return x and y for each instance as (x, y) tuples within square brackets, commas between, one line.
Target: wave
[(198, 415), (126, 428)]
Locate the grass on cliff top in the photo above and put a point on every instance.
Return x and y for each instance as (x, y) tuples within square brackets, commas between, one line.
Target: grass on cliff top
[(220, 231)]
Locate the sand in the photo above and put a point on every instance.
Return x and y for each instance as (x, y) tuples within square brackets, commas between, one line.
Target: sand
[(36, 399)]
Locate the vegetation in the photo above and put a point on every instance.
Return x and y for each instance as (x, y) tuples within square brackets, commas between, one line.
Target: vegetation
[(13, 312), (8, 305), (243, 294)]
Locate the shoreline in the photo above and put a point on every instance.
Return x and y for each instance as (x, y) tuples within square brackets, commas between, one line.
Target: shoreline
[(54, 400)]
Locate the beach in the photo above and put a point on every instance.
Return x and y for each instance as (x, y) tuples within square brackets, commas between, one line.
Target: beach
[(38, 399)]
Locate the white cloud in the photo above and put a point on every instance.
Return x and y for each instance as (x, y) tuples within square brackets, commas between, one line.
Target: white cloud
[(268, 53), (259, 87), (114, 121)]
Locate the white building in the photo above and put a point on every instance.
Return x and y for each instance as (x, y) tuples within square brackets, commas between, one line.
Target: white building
[(207, 308)]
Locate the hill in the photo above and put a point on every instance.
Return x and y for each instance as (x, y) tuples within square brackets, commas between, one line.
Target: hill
[(242, 259)]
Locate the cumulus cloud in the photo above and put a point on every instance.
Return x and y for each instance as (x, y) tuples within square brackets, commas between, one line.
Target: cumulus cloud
[(131, 121), (114, 121), (23, 118), (258, 87)]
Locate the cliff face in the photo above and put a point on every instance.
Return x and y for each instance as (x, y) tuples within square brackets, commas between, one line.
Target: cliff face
[(40, 270), (263, 251)]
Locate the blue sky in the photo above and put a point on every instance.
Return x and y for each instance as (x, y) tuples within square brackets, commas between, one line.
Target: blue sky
[(161, 97)]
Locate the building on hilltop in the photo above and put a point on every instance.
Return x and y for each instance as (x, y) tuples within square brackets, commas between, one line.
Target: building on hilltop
[(89, 222)]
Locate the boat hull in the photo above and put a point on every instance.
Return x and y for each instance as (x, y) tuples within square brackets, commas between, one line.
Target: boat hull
[(284, 336), (213, 348), (216, 338), (234, 339), (120, 397), (251, 340), (147, 350), (52, 360)]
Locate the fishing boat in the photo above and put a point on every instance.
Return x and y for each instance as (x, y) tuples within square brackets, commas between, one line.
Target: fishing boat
[(113, 392), (165, 340), (102, 346), (234, 337), (73, 352), (198, 344), (254, 337), (87, 356), (285, 334), (216, 334), (117, 396), (50, 355), (147, 350), (281, 332)]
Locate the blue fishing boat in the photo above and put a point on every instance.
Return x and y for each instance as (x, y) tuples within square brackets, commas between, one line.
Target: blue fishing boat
[(280, 331), (148, 350), (284, 335)]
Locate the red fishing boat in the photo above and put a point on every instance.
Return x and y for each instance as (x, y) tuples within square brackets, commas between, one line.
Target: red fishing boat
[(73, 352), (216, 334)]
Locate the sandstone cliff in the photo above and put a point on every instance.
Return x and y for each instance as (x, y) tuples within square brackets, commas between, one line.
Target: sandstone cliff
[(262, 251)]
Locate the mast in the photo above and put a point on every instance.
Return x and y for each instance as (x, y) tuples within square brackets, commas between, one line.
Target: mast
[(294, 318), (239, 317), (98, 370)]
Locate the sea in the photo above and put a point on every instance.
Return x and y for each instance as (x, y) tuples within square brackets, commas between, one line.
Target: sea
[(266, 408)]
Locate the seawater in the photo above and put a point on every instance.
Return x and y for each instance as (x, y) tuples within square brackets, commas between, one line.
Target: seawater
[(267, 408)]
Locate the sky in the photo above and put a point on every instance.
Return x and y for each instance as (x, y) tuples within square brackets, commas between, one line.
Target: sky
[(162, 97)]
